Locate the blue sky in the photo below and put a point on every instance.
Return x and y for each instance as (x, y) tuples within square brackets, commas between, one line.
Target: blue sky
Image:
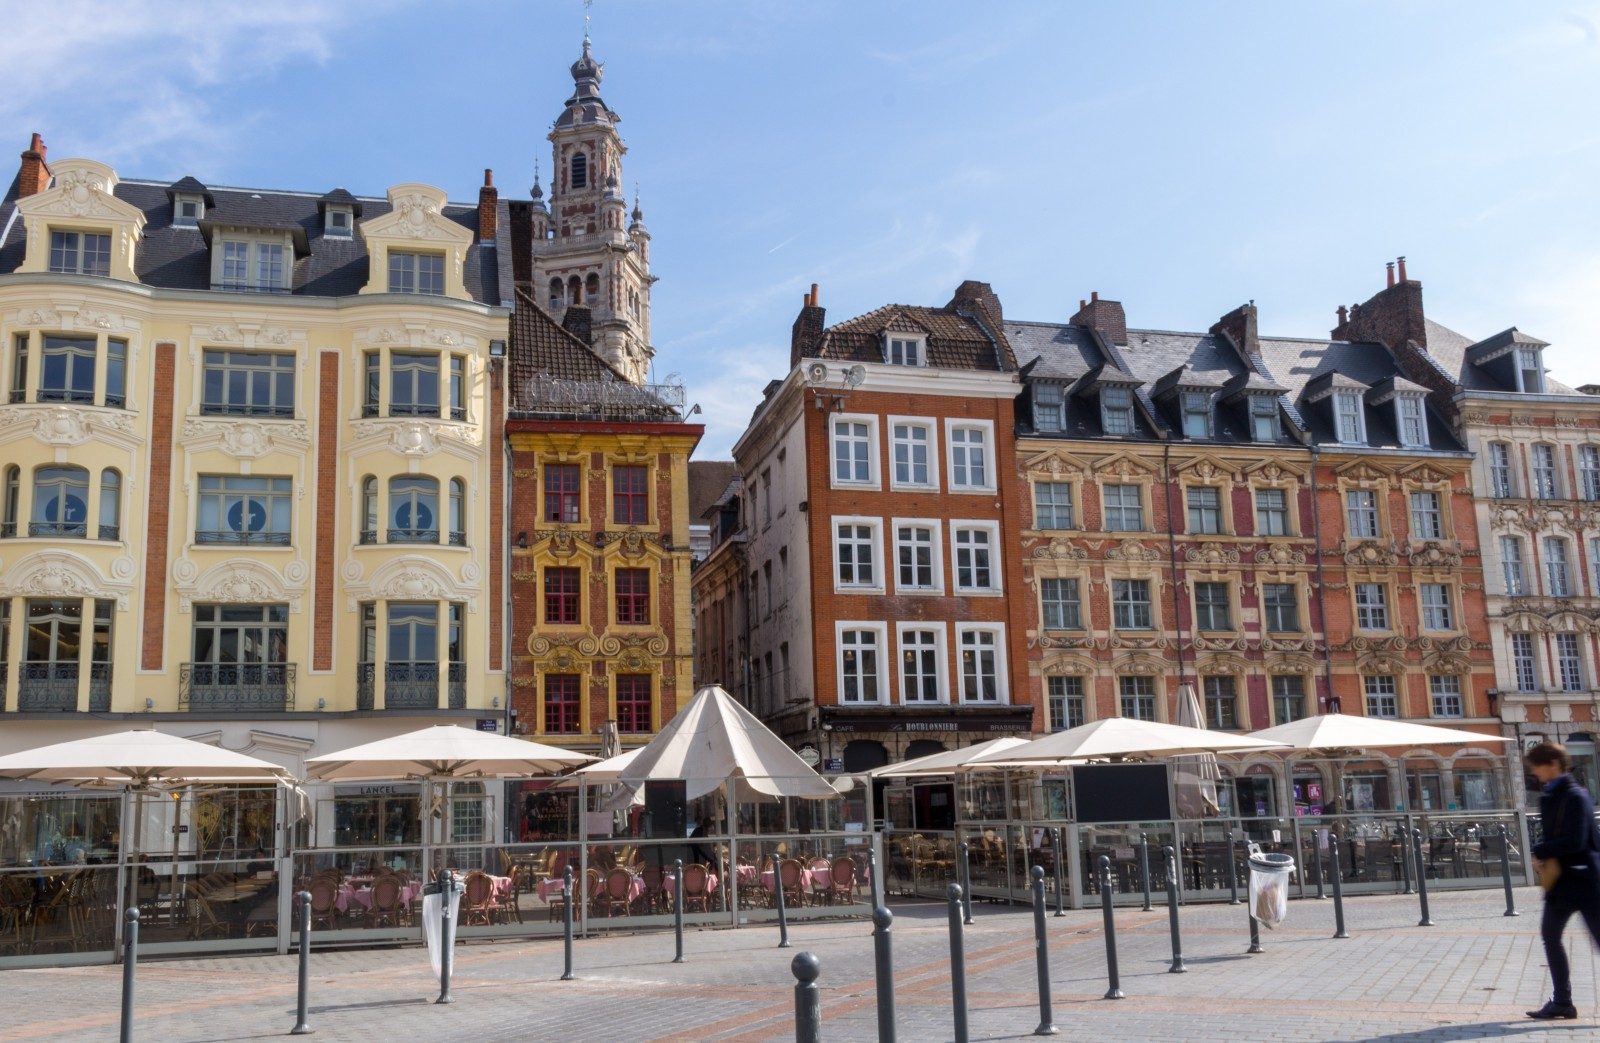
[(1181, 157)]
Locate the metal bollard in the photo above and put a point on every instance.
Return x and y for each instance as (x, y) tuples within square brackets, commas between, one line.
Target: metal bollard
[(1405, 856), (1316, 859), (883, 969), (966, 884), (1422, 879), (1233, 870), (130, 960), (301, 1027), (807, 998), (1505, 871), (1144, 867), (1041, 957), (1338, 888), (1115, 991), (777, 894), (566, 922), (1172, 913), (446, 953), (677, 902), (958, 965), (1060, 861)]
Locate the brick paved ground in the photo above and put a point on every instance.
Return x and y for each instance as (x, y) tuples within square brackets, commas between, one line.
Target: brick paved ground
[(1469, 977)]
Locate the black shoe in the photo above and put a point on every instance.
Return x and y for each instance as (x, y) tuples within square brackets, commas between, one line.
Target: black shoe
[(1554, 1011)]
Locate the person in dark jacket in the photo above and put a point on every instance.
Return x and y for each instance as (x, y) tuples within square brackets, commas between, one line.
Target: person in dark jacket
[(1567, 812)]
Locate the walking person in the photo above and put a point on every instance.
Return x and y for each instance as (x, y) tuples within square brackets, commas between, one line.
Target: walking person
[(1567, 812)]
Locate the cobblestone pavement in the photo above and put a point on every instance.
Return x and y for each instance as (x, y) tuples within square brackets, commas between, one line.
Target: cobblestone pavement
[(1469, 977)]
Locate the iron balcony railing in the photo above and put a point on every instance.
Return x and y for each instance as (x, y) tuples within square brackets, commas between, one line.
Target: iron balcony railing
[(48, 686), (247, 409), (546, 396), (458, 686), (66, 395), (411, 686), (365, 685), (413, 535), (99, 687), (236, 687), (257, 539), (66, 530)]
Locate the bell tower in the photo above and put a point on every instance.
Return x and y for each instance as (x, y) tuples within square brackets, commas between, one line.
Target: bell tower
[(589, 251)]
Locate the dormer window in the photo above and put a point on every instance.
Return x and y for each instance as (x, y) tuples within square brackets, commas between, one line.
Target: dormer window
[(1530, 371), (901, 350), (1196, 414), (80, 253), (1048, 408), (416, 272), (1116, 411), (1263, 419), (187, 210), (1349, 420), (1411, 421), (253, 266), (338, 223)]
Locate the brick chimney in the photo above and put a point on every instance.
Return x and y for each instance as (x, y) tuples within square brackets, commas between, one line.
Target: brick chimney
[(35, 174), (1392, 316), (974, 296), (578, 321), (807, 330), (1105, 316), (1240, 324), (488, 203)]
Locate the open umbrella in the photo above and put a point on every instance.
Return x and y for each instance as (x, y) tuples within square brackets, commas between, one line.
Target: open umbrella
[(945, 762), (1113, 737)]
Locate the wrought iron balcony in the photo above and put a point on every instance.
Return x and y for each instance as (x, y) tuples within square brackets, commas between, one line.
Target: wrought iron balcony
[(66, 395), (458, 686), (236, 687), (413, 535), (411, 686), (99, 687), (110, 532), (66, 530), (8, 530), (458, 539), (254, 539), (365, 686), (414, 409), (543, 395), (369, 535), (283, 412), (47, 686)]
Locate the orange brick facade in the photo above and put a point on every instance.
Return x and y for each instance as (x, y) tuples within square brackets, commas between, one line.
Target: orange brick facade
[(162, 392), (328, 495)]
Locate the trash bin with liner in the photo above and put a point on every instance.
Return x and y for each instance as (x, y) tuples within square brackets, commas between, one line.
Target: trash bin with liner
[(1269, 885), (432, 910)]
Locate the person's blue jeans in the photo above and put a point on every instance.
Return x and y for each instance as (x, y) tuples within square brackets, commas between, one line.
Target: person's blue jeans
[(1577, 891)]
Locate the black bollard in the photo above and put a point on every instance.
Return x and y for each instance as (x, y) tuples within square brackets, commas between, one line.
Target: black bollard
[(1144, 867), (1422, 879), (566, 922), (301, 1027), (1405, 856), (1172, 913), (1041, 957), (883, 968), (777, 895), (1338, 887), (1505, 871), (130, 960), (677, 912), (966, 884), (958, 965), (807, 998), (1115, 991), (1316, 860), (446, 954), (1060, 861), (1233, 869)]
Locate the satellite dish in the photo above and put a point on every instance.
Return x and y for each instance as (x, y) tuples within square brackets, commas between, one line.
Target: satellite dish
[(816, 372), (854, 376)]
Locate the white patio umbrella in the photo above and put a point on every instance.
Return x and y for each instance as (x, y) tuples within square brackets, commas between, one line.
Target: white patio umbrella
[(945, 762), (1194, 779), (1121, 737)]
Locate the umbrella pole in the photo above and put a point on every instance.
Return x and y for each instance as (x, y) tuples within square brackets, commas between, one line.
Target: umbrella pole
[(730, 873)]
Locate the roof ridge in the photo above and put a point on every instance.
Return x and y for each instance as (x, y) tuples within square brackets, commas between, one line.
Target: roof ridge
[(306, 193)]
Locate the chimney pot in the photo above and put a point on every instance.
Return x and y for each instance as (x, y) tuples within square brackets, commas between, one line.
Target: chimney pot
[(813, 299), (1402, 263), (1082, 304), (1390, 269), (488, 177), (1344, 315), (1094, 295)]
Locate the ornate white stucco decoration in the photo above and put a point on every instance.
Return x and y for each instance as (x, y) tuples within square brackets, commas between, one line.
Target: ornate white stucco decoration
[(247, 439), (237, 580), (82, 189), (417, 335), (62, 574), (412, 579), (246, 333), (68, 425), (417, 438), (351, 571)]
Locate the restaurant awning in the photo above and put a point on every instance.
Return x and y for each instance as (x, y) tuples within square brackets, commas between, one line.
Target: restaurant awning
[(946, 762), (1339, 731), (1121, 737)]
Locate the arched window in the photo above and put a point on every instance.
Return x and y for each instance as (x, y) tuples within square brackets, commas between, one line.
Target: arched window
[(555, 293), (580, 171), (413, 509), (591, 290), (574, 290), (13, 497), (369, 509), (60, 502), (110, 505), (458, 513)]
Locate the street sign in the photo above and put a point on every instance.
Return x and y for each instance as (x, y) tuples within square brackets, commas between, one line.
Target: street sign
[(488, 724), (833, 764)]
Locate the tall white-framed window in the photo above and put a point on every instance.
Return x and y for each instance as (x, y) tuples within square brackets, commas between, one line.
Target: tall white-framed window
[(1049, 408), (911, 453), (1066, 701), (1061, 605), (1263, 418), (857, 554), (1349, 418), (1123, 507), (1546, 482), (1372, 607), (976, 549), (413, 272), (904, 349), (1211, 608), (80, 253), (1436, 611), (1196, 414), (1569, 662), (1222, 702), (861, 647), (253, 266), (1427, 518), (854, 440), (983, 662), (1511, 564), (1052, 505), (1557, 573), (1502, 479), (1280, 608), (1411, 420), (1594, 564), (1383, 695), (1205, 509), (1130, 604), (1524, 664), (1361, 513), (1272, 512), (1589, 471), (1136, 697), (1530, 371), (919, 564), (1116, 411), (922, 660), (1288, 698), (1444, 692), (969, 448)]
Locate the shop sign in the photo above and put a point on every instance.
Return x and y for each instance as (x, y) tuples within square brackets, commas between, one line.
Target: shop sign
[(809, 754), (1020, 722)]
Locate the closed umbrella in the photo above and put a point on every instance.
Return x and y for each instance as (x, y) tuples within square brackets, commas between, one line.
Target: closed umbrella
[(1195, 778)]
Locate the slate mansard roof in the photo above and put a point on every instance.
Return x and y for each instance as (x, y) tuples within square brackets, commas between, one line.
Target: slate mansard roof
[(179, 257), (956, 339)]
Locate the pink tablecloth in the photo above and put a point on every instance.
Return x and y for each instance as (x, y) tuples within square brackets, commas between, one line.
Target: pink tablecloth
[(362, 896), (548, 889)]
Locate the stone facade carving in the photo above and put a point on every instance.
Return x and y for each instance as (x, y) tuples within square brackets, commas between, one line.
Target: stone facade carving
[(247, 439), (62, 574), (1059, 549)]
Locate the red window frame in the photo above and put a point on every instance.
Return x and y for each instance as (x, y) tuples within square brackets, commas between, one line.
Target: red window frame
[(633, 597), (562, 495), (561, 595), (562, 703), (633, 704), (630, 494)]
